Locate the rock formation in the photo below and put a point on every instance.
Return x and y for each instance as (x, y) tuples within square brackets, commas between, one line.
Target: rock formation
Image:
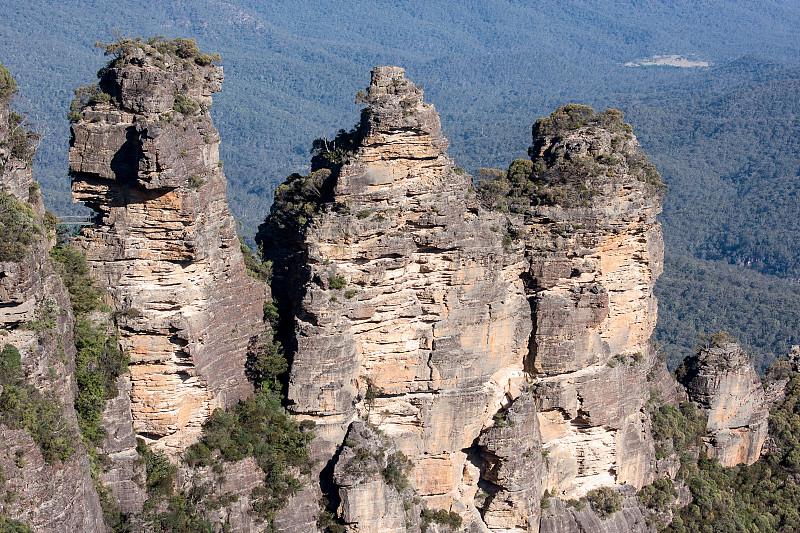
[(595, 250), (407, 309), (722, 381), (144, 155), (46, 492), (458, 331)]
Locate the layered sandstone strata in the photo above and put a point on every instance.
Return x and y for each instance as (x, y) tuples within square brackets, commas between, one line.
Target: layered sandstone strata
[(406, 310), (722, 380), (595, 250), (144, 155)]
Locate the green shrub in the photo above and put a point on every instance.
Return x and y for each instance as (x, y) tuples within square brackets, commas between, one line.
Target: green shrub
[(23, 406), (266, 366), (336, 282), (185, 105), (446, 518), (98, 363), (8, 85), (74, 271), (9, 525), (396, 471), (18, 228), (86, 96), (605, 501), (99, 360), (261, 270), (160, 473), (658, 495), (261, 428)]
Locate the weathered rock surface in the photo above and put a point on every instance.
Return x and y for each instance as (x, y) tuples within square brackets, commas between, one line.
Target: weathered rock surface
[(561, 518), (595, 250), (58, 496), (145, 156), (722, 381), (406, 306)]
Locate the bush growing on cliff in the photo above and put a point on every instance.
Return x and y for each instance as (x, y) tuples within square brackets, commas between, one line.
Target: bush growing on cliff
[(18, 228), (605, 501), (23, 406), (86, 96), (159, 45), (261, 428), (99, 360), (8, 525), (8, 85), (450, 519)]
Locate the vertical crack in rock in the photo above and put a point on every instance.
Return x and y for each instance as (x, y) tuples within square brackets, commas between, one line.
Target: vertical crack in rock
[(145, 156)]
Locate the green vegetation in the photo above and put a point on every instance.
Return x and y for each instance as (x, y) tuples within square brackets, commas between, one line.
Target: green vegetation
[(573, 116), (22, 139), (396, 471), (99, 360), (257, 427), (18, 228), (23, 406), (697, 297), (337, 282), (659, 495), (159, 46), (450, 519), (8, 85), (605, 501), (676, 429), (256, 268), (185, 105), (86, 96), (160, 473), (554, 177), (8, 525), (298, 199)]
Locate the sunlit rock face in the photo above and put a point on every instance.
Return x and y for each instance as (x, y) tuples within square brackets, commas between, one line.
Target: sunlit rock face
[(144, 155), (595, 250), (722, 381), (407, 309)]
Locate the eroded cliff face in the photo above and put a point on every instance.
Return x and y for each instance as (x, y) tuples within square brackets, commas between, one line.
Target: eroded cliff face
[(722, 381), (144, 155), (53, 493), (407, 310), (595, 249)]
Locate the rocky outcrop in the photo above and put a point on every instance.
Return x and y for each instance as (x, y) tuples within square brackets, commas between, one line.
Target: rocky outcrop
[(562, 518), (405, 306), (595, 250), (722, 381), (46, 493), (144, 155)]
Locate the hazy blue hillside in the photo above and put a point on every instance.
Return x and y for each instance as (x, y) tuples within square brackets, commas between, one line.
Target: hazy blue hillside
[(724, 137)]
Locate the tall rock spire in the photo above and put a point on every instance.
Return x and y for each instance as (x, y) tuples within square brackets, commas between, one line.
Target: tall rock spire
[(407, 310), (144, 155)]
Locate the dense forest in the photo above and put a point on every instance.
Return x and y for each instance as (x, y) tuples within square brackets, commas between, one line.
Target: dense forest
[(724, 138)]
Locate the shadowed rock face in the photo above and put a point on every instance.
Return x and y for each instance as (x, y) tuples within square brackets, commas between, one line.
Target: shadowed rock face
[(59, 496), (595, 250), (164, 244), (722, 380)]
